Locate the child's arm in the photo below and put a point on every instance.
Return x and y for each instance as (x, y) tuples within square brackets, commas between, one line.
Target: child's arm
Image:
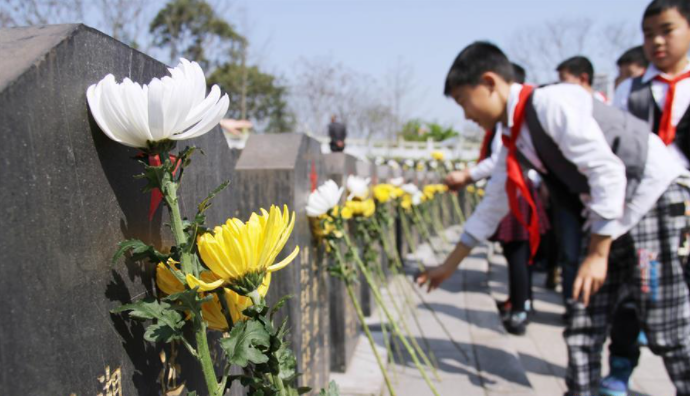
[(478, 228), (592, 272)]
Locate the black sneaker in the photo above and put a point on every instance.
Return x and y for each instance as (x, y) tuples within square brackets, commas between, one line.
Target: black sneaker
[(516, 323)]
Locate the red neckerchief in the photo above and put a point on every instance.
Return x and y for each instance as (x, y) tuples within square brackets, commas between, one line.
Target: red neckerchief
[(515, 179)]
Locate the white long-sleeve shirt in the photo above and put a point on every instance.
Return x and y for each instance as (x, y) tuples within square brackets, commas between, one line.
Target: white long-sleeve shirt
[(484, 168), (681, 102), (565, 113)]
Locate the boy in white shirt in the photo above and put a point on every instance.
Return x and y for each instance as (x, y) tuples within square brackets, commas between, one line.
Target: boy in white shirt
[(633, 197)]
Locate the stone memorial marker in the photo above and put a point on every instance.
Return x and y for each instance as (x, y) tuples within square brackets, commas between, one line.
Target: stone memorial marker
[(282, 169), (67, 198), (343, 318)]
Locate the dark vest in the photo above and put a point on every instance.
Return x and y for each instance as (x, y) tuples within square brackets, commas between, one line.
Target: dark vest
[(642, 105), (626, 135)]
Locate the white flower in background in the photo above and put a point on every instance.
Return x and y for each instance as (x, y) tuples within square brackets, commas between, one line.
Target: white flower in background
[(410, 188), (393, 164), (358, 187), (397, 181), (379, 161), (459, 166), (174, 107), (448, 164), (409, 163), (324, 198), (433, 164), (417, 198), (481, 183)]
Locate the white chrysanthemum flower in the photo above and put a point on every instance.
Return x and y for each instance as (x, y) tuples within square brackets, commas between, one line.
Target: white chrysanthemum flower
[(410, 188), (358, 187), (397, 181), (174, 107), (324, 198)]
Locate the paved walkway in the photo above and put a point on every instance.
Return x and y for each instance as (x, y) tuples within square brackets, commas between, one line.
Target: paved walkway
[(481, 358)]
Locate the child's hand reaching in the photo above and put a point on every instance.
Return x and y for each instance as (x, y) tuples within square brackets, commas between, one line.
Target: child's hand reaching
[(434, 277)]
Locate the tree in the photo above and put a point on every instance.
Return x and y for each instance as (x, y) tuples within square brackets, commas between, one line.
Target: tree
[(539, 49), (418, 131), (266, 97), (189, 27), (122, 19), (323, 87)]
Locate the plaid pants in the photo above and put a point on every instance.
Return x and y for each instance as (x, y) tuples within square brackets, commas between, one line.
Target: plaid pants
[(643, 264)]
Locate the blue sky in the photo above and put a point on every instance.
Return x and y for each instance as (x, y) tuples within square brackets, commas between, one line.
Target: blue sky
[(370, 36)]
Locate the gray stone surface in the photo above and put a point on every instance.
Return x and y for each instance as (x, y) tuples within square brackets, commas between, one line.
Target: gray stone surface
[(344, 324), (67, 198), (276, 169)]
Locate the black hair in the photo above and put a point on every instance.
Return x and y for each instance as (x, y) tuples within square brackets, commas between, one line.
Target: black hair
[(576, 66), (475, 60), (518, 73), (634, 55), (656, 7)]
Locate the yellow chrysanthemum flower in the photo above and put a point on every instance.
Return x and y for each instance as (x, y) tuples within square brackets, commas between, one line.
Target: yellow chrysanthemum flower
[(211, 311), (406, 202), (438, 155), (342, 211), (471, 189), (397, 192), (383, 192), (240, 254), (480, 192), (364, 208)]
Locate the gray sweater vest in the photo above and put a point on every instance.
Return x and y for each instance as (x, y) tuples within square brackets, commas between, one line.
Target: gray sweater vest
[(626, 135)]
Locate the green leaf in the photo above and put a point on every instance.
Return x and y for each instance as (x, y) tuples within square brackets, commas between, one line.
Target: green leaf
[(188, 301), (242, 346), (168, 325), (303, 390), (139, 251), (206, 203), (332, 390), (279, 305)]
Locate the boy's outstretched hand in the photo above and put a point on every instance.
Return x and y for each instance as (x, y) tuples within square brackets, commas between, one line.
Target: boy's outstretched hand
[(434, 277), (458, 179)]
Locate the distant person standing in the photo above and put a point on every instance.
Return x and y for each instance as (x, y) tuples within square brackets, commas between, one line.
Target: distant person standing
[(337, 132)]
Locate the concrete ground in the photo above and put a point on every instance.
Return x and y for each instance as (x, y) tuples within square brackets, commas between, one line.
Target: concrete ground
[(475, 354)]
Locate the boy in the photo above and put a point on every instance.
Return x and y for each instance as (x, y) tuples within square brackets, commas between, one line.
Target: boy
[(666, 26), (513, 238), (579, 70), (633, 196), (633, 63)]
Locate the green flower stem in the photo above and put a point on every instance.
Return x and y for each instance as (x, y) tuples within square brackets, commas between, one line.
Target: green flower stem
[(360, 316), (405, 223), (427, 305), (364, 238), (422, 228), (204, 356), (456, 206), (429, 361), (436, 221), (379, 301), (169, 190), (392, 254)]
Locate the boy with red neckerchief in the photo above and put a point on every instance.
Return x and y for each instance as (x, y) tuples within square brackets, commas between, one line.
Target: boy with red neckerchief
[(609, 163), (660, 97)]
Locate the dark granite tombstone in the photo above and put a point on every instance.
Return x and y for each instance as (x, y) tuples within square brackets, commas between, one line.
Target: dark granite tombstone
[(343, 317), (67, 198), (282, 169)]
